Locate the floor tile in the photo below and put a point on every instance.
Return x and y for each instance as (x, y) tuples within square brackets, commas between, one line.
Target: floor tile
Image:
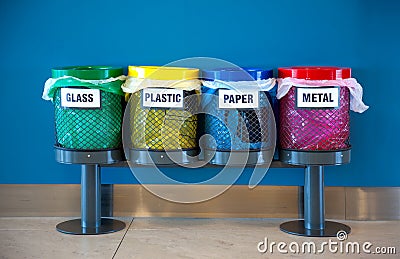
[(38, 238), (239, 238), (184, 238)]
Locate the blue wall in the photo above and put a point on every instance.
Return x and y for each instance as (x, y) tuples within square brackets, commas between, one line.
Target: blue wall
[(39, 35)]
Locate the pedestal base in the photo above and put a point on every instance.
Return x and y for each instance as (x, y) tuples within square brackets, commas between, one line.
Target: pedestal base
[(314, 224), (90, 191), (331, 229), (74, 227)]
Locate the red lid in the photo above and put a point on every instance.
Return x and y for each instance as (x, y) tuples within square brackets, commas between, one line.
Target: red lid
[(315, 73)]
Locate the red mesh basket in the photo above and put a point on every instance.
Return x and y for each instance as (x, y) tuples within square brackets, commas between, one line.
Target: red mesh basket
[(314, 129)]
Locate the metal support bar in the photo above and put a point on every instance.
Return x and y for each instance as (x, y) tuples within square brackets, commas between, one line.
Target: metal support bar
[(300, 201), (314, 207), (90, 196), (91, 222), (314, 224), (107, 199)]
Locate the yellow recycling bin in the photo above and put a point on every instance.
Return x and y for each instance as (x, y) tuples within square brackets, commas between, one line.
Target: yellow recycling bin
[(162, 114)]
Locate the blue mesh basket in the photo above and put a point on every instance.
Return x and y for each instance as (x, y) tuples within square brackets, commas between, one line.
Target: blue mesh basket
[(238, 129)]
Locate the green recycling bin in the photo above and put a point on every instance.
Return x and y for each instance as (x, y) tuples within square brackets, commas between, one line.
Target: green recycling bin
[(88, 106)]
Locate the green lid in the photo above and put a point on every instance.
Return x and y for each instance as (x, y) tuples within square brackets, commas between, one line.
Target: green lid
[(87, 72)]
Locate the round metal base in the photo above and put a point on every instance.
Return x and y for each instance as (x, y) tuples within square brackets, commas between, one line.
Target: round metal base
[(315, 157), (145, 157), (74, 227), (67, 156), (238, 157), (331, 229)]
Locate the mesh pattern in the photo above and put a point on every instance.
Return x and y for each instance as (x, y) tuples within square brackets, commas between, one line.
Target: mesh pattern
[(163, 129), (89, 129), (314, 129), (239, 130)]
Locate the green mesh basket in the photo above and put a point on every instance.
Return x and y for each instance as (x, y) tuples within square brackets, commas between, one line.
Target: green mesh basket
[(163, 129), (89, 128)]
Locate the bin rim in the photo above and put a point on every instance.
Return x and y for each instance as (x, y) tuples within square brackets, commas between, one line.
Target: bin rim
[(163, 72), (315, 72), (233, 74), (87, 72)]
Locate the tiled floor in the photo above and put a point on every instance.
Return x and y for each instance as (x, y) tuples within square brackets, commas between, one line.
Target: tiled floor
[(183, 238)]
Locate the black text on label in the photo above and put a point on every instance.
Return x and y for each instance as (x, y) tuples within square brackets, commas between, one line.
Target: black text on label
[(162, 98)]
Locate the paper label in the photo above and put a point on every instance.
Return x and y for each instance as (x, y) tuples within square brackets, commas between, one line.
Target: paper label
[(232, 99), (80, 98), (162, 98), (318, 97)]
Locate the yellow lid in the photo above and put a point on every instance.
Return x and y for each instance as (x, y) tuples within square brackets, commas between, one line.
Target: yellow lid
[(163, 73)]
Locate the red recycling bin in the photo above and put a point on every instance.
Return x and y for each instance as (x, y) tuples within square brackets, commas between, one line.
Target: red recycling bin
[(312, 117)]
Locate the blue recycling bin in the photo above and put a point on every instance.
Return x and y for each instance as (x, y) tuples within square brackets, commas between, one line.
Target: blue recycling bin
[(239, 115)]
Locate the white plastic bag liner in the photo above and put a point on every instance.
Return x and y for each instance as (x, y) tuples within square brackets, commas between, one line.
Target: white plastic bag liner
[(356, 90), (259, 85), (133, 84), (48, 85)]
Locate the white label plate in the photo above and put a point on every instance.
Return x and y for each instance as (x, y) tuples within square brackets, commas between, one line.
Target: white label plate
[(162, 98), (318, 97), (80, 98), (232, 99)]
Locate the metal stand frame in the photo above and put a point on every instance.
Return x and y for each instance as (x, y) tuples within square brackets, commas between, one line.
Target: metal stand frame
[(146, 157), (258, 157), (91, 222), (314, 224)]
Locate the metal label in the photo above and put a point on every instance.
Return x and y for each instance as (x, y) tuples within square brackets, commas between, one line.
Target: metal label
[(318, 97)]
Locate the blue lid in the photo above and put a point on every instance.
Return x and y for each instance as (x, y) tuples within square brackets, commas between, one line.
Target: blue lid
[(237, 74), (258, 73)]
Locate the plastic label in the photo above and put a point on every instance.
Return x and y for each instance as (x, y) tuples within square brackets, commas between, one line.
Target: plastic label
[(80, 98), (162, 98), (317, 97), (232, 99)]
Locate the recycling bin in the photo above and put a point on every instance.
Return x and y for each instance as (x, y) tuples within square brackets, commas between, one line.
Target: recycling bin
[(313, 117), (163, 119), (315, 104), (88, 106), (238, 115)]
